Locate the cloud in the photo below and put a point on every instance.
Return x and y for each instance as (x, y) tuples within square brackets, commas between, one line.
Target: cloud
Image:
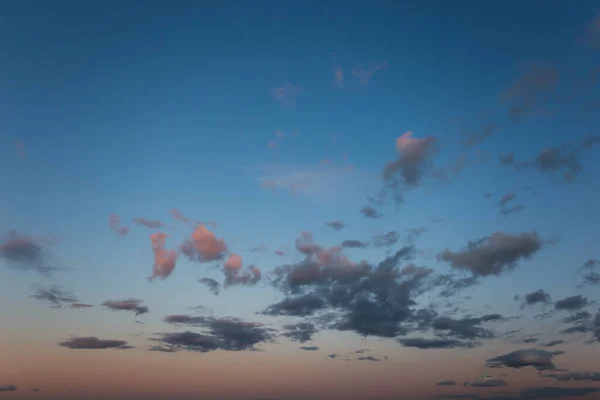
[(446, 383), (370, 212), (494, 382), (230, 334), (369, 358), (114, 223), (335, 225), (309, 348), (178, 215), (234, 276), (20, 147), (338, 76), (301, 332), (92, 342), (478, 137), (507, 198), (552, 343), (287, 93), (576, 376), (204, 246), (81, 305), (539, 359), (386, 239), (413, 158), (494, 255), (577, 317), (54, 295), (571, 303), (421, 343), (553, 392), (365, 73), (466, 328), (8, 388), (164, 260), (452, 284), (27, 254), (297, 306), (527, 91), (507, 159), (539, 296), (134, 305), (212, 285), (353, 244), (152, 224)]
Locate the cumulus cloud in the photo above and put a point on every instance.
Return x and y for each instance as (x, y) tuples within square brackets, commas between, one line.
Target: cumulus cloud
[(114, 223), (152, 224), (537, 297), (301, 332), (164, 260), (92, 342), (27, 254), (54, 295), (287, 93), (134, 305), (212, 285), (204, 246), (539, 359), (230, 334), (234, 274), (494, 255), (572, 303)]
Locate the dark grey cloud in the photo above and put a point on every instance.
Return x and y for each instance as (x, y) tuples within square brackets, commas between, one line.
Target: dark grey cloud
[(575, 376), (212, 285), (134, 305), (81, 305), (577, 317), (451, 284), (466, 328), (92, 342), (486, 383), (507, 198), (554, 392), (27, 254), (354, 244), (152, 224), (552, 343), (162, 349), (446, 383), (229, 334), (537, 297), (421, 343), (301, 332), (8, 388), (539, 359), (54, 295), (386, 239), (458, 396), (572, 303), (495, 254), (335, 225), (309, 348), (297, 306), (369, 358), (370, 212)]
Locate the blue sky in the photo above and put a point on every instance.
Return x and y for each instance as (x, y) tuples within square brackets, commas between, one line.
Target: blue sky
[(140, 108)]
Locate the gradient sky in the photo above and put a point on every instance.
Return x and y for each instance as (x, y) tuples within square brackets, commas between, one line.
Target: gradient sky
[(264, 123)]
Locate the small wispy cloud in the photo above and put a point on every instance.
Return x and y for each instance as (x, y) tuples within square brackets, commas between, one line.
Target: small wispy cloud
[(287, 93), (365, 73)]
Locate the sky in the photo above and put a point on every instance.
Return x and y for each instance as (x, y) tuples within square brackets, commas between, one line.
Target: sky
[(299, 200)]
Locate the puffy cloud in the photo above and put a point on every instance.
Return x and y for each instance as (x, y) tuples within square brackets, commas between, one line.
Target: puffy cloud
[(301, 332), (365, 73), (152, 224), (134, 305), (495, 254), (229, 334), (56, 296), (234, 276), (164, 260), (446, 383), (335, 225), (27, 254), (204, 246), (92, 342), (539, 359), (413, 157), (114, 223), (287, 93), (212, 285), (539, 296), (571, 303)]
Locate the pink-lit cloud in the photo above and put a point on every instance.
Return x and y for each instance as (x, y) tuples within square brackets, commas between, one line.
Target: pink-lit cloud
[(203, 245), (164, 260), (234, 275), (114, 222), (364, 74), (287, 93), (413, 157), (178, 215)]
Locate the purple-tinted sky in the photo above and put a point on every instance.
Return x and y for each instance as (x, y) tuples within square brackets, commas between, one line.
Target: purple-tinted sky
[(299, 200)]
